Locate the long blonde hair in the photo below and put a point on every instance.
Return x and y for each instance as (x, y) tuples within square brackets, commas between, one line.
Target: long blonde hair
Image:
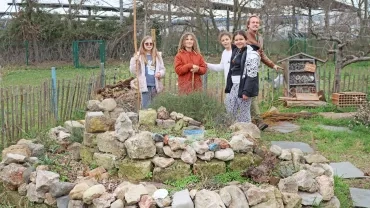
[(182, 40), (142, 51)]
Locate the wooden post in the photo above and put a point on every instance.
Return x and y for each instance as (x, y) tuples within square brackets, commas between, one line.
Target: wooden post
[(137, 64), (54, 93), (154, 37)]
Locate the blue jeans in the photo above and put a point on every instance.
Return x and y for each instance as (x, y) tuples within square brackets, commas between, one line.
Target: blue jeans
[(147, 97)]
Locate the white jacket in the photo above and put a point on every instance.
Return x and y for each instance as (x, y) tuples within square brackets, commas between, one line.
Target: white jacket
[(159, 67), (224, 65)]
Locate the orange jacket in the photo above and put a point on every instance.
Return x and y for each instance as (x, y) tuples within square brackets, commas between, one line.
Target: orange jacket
[(184, 61)]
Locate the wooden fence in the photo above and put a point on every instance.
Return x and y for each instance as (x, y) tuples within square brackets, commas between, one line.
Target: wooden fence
[(24, 110)]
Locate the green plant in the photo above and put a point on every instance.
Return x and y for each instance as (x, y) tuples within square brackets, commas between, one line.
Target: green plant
[(46, 160), (362, 115), (198, 106), (229, 176), (76, 136), (341, 191), (93, 165), (149, 175), (183, 183)]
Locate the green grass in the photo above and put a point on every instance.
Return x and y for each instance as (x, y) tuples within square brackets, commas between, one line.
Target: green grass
[(341, 191)]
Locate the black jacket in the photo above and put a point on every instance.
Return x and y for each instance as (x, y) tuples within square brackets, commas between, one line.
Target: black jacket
[(249, 82)]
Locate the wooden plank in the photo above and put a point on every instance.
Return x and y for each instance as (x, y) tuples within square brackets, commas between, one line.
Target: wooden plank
[(62, 102), (287, 98), (26, 113), (292, 103), (8, 118), (2, 117), (16, 113), (307, 96), (66, 101), (13, 114)]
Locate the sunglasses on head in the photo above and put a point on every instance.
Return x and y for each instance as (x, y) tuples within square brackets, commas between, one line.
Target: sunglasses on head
[(148, 44)]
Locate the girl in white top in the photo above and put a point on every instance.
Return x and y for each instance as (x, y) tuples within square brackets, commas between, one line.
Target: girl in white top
[(225, 39)]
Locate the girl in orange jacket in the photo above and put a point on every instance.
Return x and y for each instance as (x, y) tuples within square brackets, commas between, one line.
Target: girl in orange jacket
[(189, 64)]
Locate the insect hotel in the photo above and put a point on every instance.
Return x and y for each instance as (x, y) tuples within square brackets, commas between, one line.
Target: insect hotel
[(301, 80)]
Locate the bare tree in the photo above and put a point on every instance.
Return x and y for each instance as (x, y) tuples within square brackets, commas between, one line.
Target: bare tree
[(347, 44)]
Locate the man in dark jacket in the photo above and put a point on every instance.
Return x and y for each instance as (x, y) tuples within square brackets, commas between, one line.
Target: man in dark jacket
[(253, 25)]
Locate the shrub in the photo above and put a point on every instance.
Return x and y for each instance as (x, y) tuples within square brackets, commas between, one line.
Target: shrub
[(198, 106), (362, 115)]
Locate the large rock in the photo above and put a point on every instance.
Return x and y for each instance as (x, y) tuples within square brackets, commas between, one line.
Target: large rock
[(315, 158), (104, 200), (45, 179), (224, 154), (105, 160), (176, 171), (147, 117), (134, 117), (117, 204), (77, 192), (276, 150), (209, 169), (108, 104), (163, 162), (96, 122), (166, 124), (86, 154), (310, 199), (147, 201), (239, 143), (50, 200), (315, 170), (256, 195), (123, 127), (37, 150), (200, 147), (286, 154), (285, 169), (60, 135), (92, 193), (121, 190), (141, 146), (288, 185), (108, 143), (76, 204), (207, 156), (11, 176), (326, 187), (242, 162), (292, 200), (305, 181), (74, 150), (206, 198), (332, 203), (133, 195), (63, 202), (134, 169), (174, 154), (93, 105), (89, 139), (233, 197), (13, 158), (297, 156), (181, 199), (33, 195), (247, 129), (74, 127), (177, 143), (59, 189), (162, 113), (19, 149), (189, 155)]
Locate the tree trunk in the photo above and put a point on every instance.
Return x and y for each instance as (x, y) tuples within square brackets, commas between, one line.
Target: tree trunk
[(121, 12), (338, 69)]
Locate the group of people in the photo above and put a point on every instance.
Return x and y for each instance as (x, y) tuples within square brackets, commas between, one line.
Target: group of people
[(240, 62)]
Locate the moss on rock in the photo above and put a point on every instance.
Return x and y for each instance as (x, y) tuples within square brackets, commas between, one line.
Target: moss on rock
[(209, 169), (15, 200), (134, 170), (176, 171), (86, 154), (243, 161)]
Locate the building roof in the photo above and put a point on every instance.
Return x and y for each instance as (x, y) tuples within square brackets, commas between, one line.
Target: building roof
[(299, 55)]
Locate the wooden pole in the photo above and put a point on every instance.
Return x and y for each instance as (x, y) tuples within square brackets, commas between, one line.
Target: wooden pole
[(153, 36), (137, 64)]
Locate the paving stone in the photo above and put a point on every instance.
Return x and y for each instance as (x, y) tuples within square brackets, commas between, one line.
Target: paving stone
[(290, 145), (346, 170), (333, 115), (285, 127), (360, 197), (335, 128)]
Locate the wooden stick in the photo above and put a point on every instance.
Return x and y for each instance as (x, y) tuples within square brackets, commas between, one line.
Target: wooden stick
[(136, 64), (192, 81)]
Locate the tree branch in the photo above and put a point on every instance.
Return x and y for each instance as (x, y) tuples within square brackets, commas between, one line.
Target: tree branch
[(355, 59)]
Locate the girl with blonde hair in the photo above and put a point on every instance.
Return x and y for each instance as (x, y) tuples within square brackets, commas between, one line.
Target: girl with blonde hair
[(151, 69), (189, 64)]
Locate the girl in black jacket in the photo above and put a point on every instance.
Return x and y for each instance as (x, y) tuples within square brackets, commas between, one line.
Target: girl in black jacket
[(242, 79)]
